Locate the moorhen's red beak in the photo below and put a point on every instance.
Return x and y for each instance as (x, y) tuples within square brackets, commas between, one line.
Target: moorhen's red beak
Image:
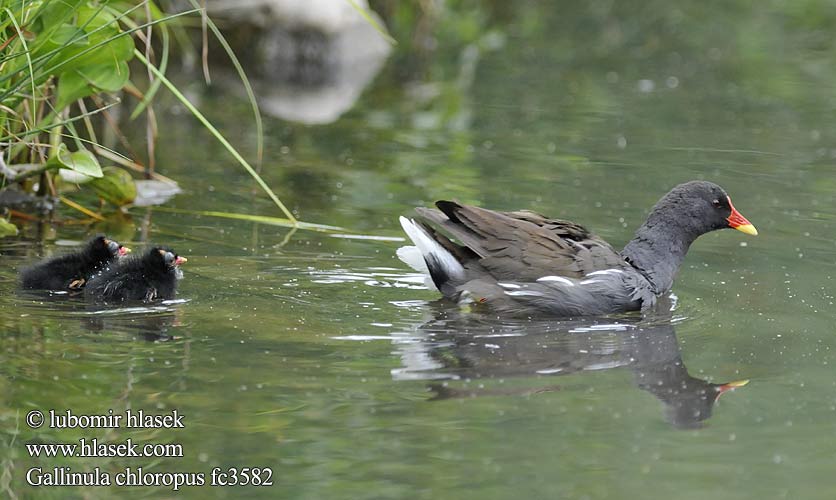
[(180, 260), (123, 250), (730, 386), (737, 221)]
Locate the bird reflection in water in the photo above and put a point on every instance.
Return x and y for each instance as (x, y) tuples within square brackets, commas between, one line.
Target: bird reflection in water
[(459, 346), (150, 325), (147, 322)]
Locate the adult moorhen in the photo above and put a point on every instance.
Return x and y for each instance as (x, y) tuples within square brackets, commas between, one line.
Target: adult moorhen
[(522, 263), (152, 275), (72, 270)]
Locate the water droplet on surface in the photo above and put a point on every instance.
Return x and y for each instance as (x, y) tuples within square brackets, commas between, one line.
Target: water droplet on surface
[(646, 86)]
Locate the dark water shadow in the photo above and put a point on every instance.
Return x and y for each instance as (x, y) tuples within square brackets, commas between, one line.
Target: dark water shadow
[(455, 346), (151, 322)]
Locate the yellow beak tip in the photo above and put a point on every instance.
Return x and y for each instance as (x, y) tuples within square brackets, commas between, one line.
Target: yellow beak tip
[(739, 383), (748, 229)]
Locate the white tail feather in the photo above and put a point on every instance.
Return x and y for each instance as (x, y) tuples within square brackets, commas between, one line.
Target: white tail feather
[(414, 257)]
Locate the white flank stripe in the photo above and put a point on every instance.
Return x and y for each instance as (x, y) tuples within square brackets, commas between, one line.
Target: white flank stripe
[(525, 293), (508, 285), (558, 279), (606, 271)]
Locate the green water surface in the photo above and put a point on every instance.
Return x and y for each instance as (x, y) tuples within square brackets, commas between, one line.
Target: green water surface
[(323, 359)]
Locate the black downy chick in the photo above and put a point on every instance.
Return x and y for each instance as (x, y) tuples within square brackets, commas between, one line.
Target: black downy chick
[(72, 270), (146, 277)]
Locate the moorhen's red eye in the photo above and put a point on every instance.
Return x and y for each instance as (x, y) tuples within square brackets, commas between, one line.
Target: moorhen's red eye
[(717, 203)]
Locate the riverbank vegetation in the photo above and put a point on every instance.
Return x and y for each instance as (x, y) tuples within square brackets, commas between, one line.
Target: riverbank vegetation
[(66, 70)]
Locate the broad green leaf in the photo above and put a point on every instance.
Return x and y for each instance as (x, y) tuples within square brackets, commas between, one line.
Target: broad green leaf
[(55, 153), (107, 77), (71, 87), (65, 37), (156, 14), (119, 48), (89, 17), (89, 80), (7, 228), (115, 186), (82, 161), (52, 14), (71, 177)]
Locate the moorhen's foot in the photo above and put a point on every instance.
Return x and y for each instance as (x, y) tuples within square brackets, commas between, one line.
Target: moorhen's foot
[(77, 284)]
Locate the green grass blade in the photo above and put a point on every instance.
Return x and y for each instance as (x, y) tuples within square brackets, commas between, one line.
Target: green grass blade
[(373, 22), (261, 219), (28, 55), (155, 84), (259, 128), (17, 138), (211, 128), (41, 61)]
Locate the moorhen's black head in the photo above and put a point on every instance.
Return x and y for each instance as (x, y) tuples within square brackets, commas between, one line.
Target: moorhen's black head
[(163, 259), (698, 207), (103, 249), (688, 401)]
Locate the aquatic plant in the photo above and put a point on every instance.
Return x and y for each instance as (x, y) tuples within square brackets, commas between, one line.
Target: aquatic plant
[(63, 65), (55, 54)]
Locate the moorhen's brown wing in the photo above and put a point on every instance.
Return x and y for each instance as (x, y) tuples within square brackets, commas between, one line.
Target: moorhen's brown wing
[(523, 245)]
